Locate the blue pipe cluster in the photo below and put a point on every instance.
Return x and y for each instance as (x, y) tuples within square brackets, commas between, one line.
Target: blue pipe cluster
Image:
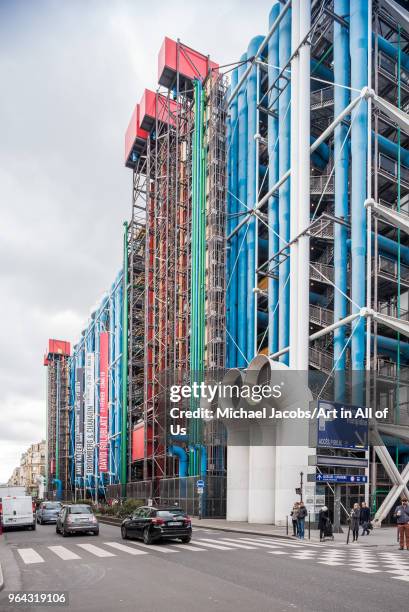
[(350, 155), (342, 75), (108, 317)]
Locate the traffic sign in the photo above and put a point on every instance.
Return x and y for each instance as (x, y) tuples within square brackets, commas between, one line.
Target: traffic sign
[(200, 484), (343, 428), (341, 478)]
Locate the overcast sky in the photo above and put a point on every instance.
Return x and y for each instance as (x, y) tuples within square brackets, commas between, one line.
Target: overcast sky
[(71, 72)]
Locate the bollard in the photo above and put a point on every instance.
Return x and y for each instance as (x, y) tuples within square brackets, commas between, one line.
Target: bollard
[(309, 526), (287, 524), (349, 531)]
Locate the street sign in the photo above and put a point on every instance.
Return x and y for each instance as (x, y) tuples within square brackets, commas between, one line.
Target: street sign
[(341, 461), (200, 484), (341, 478), (339, 431)]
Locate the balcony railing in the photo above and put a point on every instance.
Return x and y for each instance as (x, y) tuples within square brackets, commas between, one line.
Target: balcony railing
[(324, 273), (389, 269), (321, 316), (322, 97), (318, 184)]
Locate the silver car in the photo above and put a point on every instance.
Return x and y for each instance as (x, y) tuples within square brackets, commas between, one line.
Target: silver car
[(48, 512), (76, 518)]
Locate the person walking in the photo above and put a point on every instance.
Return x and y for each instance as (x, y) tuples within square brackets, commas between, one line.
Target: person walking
[(365, 519), (302, 513), (402, 515), (294, 515), (323, 518), (354, 518)]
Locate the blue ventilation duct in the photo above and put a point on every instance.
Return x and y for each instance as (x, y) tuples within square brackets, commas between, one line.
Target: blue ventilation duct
[(252, 189), (359, 79), (392, 149), (386, 47), (284, 113), (342, 76), (233, 185), (273, 216), (241, 241), (180, 453)]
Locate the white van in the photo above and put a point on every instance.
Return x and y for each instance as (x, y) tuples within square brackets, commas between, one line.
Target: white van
[(18, 512)]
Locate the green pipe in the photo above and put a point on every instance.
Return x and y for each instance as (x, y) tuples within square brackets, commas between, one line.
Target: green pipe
[(124, 450), (198, 262), (194, 247)]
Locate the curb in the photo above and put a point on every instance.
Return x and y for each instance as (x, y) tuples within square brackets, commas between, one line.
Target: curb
[(109, 521), (1, 578), (246, 531)]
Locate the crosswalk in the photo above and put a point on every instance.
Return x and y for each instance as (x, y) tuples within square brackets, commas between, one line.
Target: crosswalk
[(393, 564)]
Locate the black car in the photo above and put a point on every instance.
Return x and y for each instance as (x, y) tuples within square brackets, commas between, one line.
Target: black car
[(157, 523)]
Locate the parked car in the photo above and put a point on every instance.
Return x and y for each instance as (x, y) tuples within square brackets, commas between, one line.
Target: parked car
[(157, 523), (47, 512), (76, 518)]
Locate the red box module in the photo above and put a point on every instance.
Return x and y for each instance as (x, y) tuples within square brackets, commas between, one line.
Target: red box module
[(57, 347), (153, 104), (135, 138), (175, 56), (138, 441)]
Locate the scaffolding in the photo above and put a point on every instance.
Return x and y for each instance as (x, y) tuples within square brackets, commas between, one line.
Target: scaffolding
[(58, 430)]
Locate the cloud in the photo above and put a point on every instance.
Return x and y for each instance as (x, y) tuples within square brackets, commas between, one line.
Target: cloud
[(71, 74)]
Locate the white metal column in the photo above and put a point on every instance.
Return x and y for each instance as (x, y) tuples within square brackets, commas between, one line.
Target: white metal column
[(304, 111), (294, 163)]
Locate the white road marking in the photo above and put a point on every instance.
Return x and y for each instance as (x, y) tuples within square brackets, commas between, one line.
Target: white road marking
[(365, 570), (277, 552), (405, 578), (190, 547), (267, 542), (95, 550), (217, 546), (127, 549), (231, 542), (258, 544), (153, 547), (332, 563), (29, 555), (64, 553)]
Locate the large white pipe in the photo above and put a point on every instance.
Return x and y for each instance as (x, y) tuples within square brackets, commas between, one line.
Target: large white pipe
[(294, 162), (304, 188)]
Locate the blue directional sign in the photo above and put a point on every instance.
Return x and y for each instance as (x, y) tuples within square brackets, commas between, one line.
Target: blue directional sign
[(342, 432), (200, 484), (341, 478)]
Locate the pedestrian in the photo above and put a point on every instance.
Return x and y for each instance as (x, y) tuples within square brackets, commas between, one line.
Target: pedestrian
[(294, 515), (402, 515), (302, 513), (365, 519), (354, 518), (323, 519)]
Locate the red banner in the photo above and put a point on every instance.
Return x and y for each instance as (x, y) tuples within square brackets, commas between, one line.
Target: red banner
[(103, 402)]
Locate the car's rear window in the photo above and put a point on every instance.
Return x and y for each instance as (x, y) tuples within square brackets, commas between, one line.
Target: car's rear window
[(170, 513), (52, 506), (80, 510)]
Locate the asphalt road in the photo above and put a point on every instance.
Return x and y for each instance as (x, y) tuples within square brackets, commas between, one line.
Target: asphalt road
[(217, 571)]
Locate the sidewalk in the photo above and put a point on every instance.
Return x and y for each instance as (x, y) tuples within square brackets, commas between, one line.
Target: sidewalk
[(384, 536)]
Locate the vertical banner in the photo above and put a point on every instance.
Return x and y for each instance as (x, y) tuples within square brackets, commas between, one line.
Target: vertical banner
[(103, 402), (89, 413), (79, 420)]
